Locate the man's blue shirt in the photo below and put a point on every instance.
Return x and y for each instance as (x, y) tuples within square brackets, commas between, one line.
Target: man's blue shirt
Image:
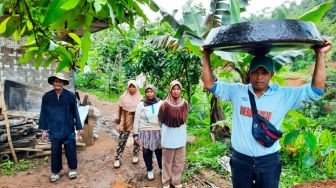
[(273, 105)]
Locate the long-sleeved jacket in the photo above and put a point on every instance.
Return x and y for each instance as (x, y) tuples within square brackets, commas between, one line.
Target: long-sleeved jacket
[(146, 117), (59, 115)]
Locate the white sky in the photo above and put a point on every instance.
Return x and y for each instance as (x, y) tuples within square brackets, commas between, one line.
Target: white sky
[(255, 6)]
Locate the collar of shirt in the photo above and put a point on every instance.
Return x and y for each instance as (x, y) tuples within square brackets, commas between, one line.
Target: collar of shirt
[(272, 88), (62, 92)]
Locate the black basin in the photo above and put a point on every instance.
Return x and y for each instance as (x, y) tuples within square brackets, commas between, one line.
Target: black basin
[(263, 36)]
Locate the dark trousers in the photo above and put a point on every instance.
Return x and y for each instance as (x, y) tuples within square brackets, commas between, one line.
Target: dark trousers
[(148, 158), (56, 154), (123, 136), (255, 172)]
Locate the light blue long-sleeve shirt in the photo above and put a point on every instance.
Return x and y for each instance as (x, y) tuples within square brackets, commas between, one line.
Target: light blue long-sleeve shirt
[(273, 105)]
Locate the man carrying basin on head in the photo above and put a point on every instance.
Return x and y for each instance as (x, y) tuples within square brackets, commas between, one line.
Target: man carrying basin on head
[(258, 111)]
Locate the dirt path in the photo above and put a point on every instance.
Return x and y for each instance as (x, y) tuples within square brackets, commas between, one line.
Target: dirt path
[(95, 163)]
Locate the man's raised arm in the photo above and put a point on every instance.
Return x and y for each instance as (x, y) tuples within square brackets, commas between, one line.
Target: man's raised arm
[(320, 71), (207, 76)]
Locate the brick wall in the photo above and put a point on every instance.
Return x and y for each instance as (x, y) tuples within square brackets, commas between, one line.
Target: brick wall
[(10, 53), (31, 82)]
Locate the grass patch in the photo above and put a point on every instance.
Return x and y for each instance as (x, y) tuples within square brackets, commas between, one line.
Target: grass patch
[(292, 175), (103, 95), (203, 153), (9, 168)]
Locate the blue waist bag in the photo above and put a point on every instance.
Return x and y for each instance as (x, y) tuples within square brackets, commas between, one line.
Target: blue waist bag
[(262, 130)]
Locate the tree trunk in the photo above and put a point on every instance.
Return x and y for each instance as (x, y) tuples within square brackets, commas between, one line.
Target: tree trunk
[(218, 131)]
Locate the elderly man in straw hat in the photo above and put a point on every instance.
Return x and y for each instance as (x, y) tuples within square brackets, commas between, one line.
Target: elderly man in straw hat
[(59, 115)]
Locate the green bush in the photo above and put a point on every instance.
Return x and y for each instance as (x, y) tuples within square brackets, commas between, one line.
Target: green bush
[(203, 153), (299, 65), (10, 168)]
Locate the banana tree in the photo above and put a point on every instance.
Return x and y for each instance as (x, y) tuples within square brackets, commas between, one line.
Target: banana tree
[(189, 35), (58, 31), (191, 31)]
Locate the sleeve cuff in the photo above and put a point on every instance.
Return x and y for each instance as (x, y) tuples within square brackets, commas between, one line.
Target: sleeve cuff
[(213, 89), (317, 90)]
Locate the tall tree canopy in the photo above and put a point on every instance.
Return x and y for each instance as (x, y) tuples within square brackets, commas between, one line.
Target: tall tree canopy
[(59, 30)]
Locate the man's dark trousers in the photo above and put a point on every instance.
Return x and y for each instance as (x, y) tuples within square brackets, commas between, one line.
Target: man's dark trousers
[(56, 153), (255, 172)]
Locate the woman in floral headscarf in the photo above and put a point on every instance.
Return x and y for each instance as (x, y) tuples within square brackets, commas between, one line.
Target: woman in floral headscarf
[(127, 106), (147, 131), (173, 115)]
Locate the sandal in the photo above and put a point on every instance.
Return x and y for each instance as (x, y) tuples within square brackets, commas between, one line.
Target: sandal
[(55, 177)]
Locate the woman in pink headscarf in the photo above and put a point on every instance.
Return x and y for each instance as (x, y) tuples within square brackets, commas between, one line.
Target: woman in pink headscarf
[(127, 106), (173, 115)]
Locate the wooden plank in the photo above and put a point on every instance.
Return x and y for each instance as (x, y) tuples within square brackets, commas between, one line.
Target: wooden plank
[(9, 138), (44, 153), (48, 146), (88, 129)]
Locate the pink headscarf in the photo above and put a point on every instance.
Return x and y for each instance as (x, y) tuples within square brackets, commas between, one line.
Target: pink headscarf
[(129, 102), (170, 99)]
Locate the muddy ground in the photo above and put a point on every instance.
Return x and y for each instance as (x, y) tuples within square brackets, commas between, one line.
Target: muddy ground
[(95, 163), (96, 170)]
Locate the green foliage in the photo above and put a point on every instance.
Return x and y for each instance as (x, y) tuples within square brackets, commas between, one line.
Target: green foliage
[(47, 25), (88, 81), (10, 168), (226, 12), (299, 65), (291, 176), (103, 95), (108, 62), (307, 145), (316, 14), (203, 153), (199, 114), (317, 108), (328, 121), (161, 67)]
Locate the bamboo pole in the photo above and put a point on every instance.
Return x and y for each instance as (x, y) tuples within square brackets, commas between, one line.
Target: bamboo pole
[(28, 149), (23, 149), (9, 138)]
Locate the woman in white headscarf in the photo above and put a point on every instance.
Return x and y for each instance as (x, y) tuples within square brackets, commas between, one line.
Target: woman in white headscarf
[(147, 131), (173, 115), (127, 106)]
